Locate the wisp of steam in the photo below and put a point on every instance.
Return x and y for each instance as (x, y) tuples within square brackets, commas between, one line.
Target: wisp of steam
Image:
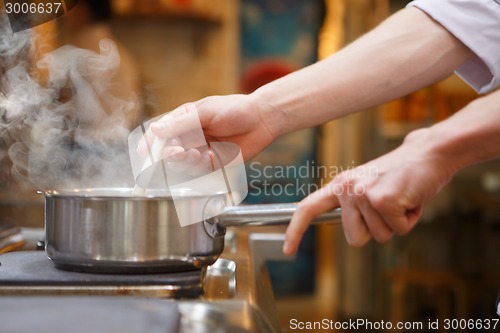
[(68, 131)]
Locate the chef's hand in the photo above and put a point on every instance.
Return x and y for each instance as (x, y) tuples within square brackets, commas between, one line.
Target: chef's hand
[(378, 199), (237, 119)]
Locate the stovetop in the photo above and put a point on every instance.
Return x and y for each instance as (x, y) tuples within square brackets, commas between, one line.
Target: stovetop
[(28, 272), (233, 295)]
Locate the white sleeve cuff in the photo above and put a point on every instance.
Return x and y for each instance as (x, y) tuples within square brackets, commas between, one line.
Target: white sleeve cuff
[(476, 23)]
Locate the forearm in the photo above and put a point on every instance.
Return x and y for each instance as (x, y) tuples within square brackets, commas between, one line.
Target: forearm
[(470, 136), (406, 52)]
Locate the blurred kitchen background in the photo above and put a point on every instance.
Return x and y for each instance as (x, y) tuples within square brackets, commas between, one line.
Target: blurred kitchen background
[(176, 51)]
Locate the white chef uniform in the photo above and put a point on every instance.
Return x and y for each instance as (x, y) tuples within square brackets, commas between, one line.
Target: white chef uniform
[(476, 23)]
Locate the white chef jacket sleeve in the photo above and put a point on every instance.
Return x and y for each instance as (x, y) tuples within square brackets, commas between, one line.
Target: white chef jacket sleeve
[(476, 23)]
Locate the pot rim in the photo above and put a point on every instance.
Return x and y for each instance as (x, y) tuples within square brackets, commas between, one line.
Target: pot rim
[(124, 193)]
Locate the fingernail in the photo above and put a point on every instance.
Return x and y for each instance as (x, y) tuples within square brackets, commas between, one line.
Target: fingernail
[(174, 142), (287, 248), (158, 126)]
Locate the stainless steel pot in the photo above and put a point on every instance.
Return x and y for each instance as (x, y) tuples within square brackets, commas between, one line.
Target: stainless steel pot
[(111, 231)]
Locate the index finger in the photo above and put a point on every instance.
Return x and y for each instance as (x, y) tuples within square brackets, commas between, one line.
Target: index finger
[(182, 122), (319, 202)]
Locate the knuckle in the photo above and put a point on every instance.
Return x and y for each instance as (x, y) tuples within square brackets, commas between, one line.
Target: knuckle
[(380, 201), (342, 179), (304, 209), (376, 200), (346, 186)]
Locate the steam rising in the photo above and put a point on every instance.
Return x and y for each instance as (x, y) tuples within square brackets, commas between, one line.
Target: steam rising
[(67, 131)]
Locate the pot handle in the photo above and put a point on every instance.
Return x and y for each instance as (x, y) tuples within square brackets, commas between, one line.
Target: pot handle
[(270, 214)]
